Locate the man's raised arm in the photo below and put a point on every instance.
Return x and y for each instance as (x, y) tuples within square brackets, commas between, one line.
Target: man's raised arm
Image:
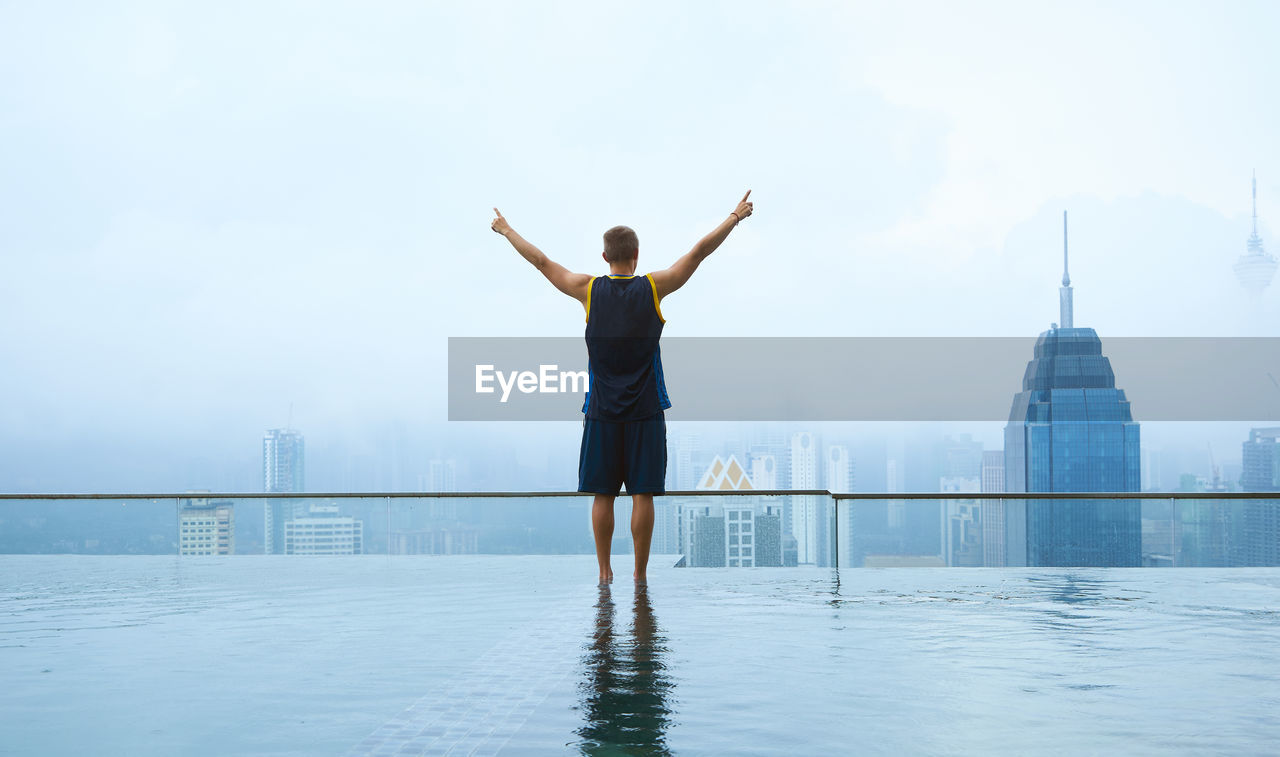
[(671, 279), (573, 284)]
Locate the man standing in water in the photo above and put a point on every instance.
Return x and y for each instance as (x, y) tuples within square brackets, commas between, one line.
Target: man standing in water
[(624, 433)]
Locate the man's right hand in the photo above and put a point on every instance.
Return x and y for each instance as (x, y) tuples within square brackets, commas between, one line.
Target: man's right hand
[(744, 208), (500, 224)]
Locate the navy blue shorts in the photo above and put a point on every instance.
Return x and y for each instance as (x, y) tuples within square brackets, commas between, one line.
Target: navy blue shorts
[(617, 452)]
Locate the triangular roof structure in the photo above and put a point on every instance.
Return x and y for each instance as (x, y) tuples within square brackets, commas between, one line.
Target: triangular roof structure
[(725, 474)]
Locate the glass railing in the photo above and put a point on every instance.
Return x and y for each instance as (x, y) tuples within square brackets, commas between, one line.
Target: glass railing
[(698, 528), (382, 649), (1054, 529)]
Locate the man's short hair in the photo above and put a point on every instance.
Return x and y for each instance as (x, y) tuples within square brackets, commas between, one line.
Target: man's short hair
[(621, 243)]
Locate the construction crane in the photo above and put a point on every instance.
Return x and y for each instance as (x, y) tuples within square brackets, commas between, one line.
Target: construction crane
[(1216, 486)]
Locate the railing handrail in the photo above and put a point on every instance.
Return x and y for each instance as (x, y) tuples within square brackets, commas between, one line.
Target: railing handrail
[(673, 493)]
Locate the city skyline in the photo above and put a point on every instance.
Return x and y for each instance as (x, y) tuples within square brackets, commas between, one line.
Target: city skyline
[(960, 168), (928, 490)]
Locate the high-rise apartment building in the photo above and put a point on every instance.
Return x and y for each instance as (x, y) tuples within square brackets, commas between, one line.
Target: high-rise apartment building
[(993, 547), (283, 462), (807, 525), (838, 477)]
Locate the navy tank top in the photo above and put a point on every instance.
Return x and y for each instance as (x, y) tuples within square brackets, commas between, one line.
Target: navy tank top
[(624, 365)]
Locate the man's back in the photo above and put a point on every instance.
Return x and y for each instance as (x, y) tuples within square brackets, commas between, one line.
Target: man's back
[(624, 362)]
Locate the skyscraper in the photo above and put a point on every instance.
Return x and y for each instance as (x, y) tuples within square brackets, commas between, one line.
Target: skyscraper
[(838, 477), (1261, 473), (1255, 268), (282, 471), (993, 547), (1071, 430), (806, 525)]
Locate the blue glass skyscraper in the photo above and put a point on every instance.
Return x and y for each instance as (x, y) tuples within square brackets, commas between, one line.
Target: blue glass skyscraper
[(1071, 430)]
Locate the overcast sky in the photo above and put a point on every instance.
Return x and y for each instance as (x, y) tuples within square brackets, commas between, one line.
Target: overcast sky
[(211, 212)]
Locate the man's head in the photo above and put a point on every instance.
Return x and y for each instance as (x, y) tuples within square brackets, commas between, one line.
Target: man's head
[(621, 244)]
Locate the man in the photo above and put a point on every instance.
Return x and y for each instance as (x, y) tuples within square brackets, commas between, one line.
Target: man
[(624, 433)]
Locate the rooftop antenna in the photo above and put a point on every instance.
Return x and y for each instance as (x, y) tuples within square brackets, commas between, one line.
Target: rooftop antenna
[(1064, 294)]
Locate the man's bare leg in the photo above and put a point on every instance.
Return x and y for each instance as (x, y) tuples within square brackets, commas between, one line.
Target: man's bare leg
[(642, 532), (602, 525)]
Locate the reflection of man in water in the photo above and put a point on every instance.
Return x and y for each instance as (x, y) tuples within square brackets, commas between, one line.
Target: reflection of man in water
[(624, 432), (626, 694)]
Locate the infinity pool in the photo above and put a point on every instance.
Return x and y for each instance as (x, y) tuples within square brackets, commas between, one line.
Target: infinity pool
[(526, 655)]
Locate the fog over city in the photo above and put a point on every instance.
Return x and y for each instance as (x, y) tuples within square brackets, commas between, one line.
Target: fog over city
[(221, 219)]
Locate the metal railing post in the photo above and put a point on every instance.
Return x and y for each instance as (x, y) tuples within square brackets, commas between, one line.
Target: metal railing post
[(835, 506)]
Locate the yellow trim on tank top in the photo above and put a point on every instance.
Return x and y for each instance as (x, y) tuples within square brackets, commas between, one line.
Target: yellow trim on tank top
[(590, 284), (654, 287)]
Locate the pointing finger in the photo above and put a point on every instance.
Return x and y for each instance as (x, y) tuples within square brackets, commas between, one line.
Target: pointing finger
[(497, 212), (745, 196)]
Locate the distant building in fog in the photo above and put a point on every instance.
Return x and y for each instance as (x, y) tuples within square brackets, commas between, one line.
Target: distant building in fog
[(283, 465), (687, 449), (961, 523), (459, 540), (442, 476), (993, 509), (807, 524), (764, 471), (1208, 532), (283, 461), (324, 532), (206, 527), (1261, 473), (1256, 267)]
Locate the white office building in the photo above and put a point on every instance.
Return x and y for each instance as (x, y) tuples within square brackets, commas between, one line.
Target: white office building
[(206, 527), (324, 532)]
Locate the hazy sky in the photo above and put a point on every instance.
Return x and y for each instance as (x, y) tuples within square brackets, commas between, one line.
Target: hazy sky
[(210, 212)]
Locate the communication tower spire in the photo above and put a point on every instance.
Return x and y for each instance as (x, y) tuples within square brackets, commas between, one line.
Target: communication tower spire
[(1065, 305)]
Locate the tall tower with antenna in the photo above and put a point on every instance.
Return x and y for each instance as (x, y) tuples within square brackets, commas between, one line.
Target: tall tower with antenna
[(1071, 429), (1255, 268)]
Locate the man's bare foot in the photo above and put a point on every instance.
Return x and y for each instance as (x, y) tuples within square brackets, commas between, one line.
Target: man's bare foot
[(606, 577), (639, 577)]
